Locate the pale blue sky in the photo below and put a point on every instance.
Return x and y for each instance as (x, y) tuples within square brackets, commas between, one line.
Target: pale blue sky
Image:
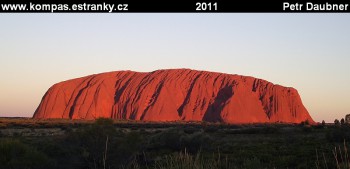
[(309, 52)]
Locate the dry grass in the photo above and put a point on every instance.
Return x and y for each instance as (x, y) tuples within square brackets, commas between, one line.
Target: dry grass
[(341, 158)]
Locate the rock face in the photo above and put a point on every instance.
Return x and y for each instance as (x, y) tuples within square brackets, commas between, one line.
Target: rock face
[(171, 95)]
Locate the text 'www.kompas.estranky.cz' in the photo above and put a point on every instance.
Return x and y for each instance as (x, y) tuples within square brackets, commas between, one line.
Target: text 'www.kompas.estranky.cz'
[(103, 7)]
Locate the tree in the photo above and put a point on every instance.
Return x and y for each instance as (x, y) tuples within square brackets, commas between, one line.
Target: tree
[(94, 141), (305, 123), (336, 122), (347, 118), (342, 121), (323, 123)]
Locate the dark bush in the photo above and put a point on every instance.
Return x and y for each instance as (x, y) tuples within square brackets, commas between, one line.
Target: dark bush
[(342, 121), (195, 142), (169, 139), (336, 122), (91, 140), (16, 155), (338, 134), (307, 129), (211, 129), (271, 129), (190, 130)]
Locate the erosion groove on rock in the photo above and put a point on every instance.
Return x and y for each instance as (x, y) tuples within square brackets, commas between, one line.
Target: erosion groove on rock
[(172, 95)]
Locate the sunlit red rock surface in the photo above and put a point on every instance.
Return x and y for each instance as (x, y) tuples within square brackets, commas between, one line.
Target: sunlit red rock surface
[(171, 95)]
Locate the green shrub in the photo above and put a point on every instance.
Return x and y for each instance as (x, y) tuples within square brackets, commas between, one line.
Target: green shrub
[(307, 129), (190, 130), (93, 141), (169, 139), (184, 160), (211, 129), (195, 142), (338, 134), (16, 155)]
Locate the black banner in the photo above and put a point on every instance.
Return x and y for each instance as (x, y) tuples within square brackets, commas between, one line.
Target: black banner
[(193, 6)]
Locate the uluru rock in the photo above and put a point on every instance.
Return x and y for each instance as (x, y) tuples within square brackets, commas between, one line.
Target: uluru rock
[(172, 95)]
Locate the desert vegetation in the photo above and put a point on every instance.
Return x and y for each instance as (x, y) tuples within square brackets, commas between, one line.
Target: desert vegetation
[(108, 144)]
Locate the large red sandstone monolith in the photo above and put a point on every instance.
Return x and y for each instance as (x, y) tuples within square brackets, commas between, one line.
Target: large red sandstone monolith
[(171, 95)]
